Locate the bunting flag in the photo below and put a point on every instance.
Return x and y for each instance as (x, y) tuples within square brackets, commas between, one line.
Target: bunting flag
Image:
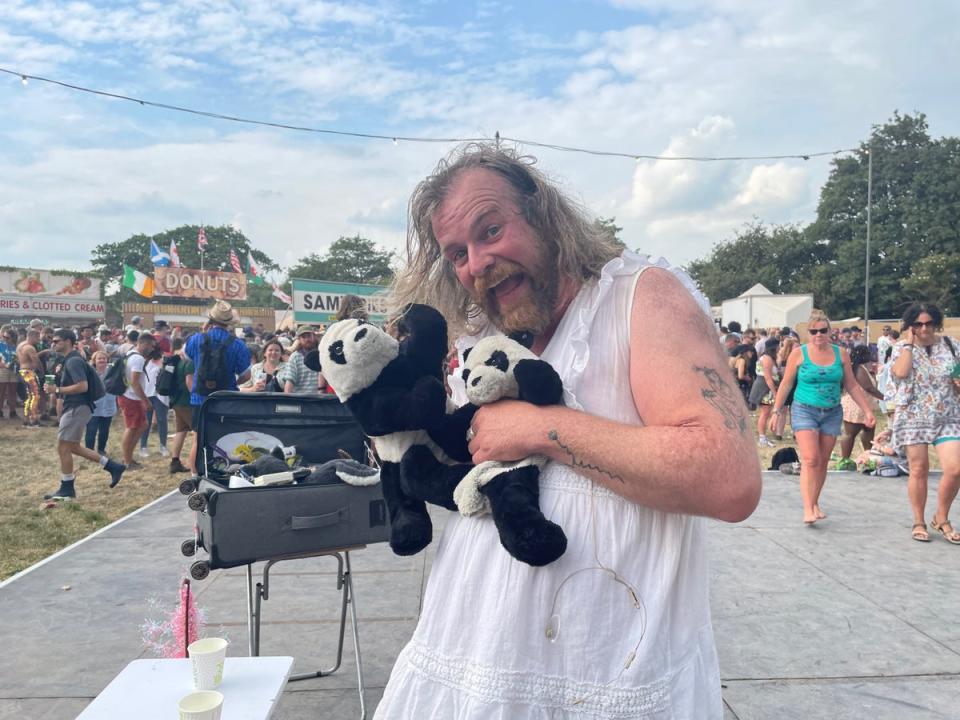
[(281, 295), (174, 255), (137, 281), (157, 256), (201, 240), (235, 261), (255, 277)]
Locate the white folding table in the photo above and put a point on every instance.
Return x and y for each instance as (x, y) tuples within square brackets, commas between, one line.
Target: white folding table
[(150, 689)]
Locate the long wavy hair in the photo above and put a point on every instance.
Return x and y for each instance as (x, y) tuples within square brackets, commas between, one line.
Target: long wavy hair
[(578, 246)]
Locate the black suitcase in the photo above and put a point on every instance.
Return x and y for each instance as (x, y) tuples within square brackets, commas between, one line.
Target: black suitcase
[(245, 525)]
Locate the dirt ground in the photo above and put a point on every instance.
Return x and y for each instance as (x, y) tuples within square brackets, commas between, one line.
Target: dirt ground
[(31, 528)]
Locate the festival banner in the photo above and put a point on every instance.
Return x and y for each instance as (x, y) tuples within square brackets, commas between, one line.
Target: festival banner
[(193, 283), (25, 281), (47, 306), (315, 301)]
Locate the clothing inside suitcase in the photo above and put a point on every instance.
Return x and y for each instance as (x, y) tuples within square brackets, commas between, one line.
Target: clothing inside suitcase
[(319, 427)]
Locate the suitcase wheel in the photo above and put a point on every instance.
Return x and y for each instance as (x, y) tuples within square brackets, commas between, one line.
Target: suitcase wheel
[(188, 547), (197, 501), (199, 570), (188, 486)]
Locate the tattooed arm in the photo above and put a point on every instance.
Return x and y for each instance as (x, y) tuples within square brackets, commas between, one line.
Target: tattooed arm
[(694, 452)]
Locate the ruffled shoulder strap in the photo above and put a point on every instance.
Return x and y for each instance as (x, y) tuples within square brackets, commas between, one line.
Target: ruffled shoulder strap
[(569, 349)]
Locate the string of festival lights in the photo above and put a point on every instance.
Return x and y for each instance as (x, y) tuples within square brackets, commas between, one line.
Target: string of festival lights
[(25, 78)]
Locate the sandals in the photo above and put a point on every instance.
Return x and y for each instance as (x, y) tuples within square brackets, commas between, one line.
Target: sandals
[(919, 532), (951, 535)]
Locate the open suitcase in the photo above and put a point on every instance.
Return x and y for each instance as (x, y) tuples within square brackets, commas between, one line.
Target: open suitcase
[(245, 525), (241, 526)]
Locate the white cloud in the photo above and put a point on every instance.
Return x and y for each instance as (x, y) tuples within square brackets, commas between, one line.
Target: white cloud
[(772, 186), (665, 185)]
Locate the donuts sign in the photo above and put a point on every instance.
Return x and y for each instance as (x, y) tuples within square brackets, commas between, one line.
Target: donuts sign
[(193, 283)]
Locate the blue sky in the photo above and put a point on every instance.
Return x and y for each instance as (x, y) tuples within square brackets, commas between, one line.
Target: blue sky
[(703, 77)]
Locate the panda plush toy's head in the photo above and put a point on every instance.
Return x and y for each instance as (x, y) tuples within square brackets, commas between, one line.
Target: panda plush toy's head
[(351, 356), (488, 369)]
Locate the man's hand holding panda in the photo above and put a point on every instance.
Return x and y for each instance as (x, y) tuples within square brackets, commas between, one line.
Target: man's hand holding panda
[(510, 385)]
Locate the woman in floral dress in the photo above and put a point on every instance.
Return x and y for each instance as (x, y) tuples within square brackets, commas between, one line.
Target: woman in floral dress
[(927, 402)]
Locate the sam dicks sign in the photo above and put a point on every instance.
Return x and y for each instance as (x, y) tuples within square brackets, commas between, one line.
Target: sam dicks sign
[(315, 301)]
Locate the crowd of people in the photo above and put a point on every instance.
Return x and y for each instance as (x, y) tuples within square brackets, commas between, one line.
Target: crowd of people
[(834, 387), (39, 360)]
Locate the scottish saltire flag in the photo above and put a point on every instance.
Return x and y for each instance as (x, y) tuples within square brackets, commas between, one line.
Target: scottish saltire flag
[(157, 256), (201, 240), (235, 261), (174, 255)]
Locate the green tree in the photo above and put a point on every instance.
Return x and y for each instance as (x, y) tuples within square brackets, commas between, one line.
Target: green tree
[(935, 278), (612, 230), (915, 214), (349, 259), (109, 258), (774, 255)]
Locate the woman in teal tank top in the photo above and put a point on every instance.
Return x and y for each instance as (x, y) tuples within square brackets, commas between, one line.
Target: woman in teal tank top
[(821, 370)]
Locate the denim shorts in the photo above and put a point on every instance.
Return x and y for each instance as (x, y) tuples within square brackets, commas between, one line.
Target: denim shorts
[(808, 417)]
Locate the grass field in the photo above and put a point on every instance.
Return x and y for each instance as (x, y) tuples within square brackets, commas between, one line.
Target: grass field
[(31, 528)]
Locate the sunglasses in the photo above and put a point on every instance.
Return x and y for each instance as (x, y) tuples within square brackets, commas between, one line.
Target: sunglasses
[(818, 331), (917, 325)]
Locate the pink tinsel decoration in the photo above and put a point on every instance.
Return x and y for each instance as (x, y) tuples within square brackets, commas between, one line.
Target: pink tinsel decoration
[(179, 627)]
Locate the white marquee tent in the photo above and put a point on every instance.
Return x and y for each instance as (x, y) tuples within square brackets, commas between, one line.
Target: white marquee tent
[(760, 308)]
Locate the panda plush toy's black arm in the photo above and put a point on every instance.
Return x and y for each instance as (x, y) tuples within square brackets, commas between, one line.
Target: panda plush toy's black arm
[(382, 409), (451, 433), (539, 383)]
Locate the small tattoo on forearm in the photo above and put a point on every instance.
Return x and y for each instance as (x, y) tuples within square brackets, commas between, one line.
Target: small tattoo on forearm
[(575, 462), (722, 397)]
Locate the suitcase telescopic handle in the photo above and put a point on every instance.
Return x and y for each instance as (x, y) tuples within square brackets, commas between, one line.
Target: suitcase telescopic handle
[(310, 522)]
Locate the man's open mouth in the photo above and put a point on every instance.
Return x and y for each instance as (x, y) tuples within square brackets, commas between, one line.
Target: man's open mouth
[(506, 286)]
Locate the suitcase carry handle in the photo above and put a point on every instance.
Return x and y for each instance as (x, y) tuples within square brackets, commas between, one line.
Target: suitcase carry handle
[(310, 522)]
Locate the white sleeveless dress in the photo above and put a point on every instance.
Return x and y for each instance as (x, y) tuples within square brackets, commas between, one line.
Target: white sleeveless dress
[(481, 649)]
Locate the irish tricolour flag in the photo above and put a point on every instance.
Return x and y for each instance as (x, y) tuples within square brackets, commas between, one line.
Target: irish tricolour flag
[(137, 281)]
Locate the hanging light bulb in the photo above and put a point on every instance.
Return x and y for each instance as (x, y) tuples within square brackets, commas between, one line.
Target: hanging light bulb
[(23, 79)]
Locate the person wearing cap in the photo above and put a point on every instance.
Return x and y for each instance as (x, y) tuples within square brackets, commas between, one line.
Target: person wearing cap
[(106, 339), (75, 410), (136, 321), (221, 319), (297, 378), (162, 334), (134, 402)]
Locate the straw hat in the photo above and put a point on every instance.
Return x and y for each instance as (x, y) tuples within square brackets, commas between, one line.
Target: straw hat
[(222, 312)]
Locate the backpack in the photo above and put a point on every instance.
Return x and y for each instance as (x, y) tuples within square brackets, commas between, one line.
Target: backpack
[(95, 389), (783, 456), (213, 372), (115, 379), (167, 379)]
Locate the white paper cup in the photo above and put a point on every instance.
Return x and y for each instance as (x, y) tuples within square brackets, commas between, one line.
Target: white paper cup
[(203, 705), (207, 658)]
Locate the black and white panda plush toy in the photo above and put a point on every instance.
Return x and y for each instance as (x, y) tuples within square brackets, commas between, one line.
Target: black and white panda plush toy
[(394, 391), (499, 367)]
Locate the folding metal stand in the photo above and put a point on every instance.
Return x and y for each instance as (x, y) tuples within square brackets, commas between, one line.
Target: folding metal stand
[(260, 592)]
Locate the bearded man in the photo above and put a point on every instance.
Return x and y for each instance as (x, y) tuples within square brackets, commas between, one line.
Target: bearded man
[(653, 435)]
